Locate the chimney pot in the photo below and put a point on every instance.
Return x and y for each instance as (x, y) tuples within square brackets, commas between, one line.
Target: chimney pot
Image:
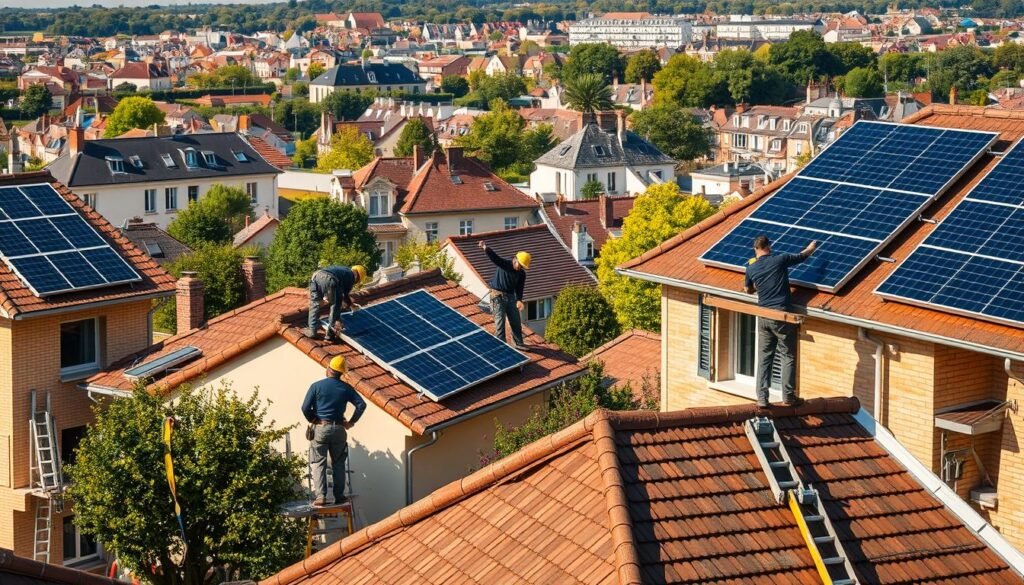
[(255, 277), (190, 304)]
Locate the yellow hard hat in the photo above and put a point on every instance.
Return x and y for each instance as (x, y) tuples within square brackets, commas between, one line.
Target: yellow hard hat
[(360, 271), (338, 364), (524, 259)]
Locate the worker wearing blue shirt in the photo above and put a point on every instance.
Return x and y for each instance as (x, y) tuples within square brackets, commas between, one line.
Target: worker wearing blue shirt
[(324, 407)]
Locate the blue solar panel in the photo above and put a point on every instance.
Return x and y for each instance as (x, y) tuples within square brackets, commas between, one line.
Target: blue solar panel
[(853, 198), (429, 345)]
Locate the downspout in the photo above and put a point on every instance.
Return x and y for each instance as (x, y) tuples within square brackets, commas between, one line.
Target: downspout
[(876, 409), (408, 464), (1008, 368)]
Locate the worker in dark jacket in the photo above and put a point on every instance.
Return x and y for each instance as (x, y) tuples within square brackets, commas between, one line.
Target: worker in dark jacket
[(324, 407), (768, 274), (507, 286), (333, 284)]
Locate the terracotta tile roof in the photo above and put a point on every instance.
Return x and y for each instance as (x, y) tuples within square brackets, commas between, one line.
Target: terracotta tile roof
[(629, 358), (397, 170), (269, 153), (587, 212), (15, 570), (552, 268), (677, 258), (678, 497), (232, 334), (17, 300), (256, 226), (383, 229), (433, 191)]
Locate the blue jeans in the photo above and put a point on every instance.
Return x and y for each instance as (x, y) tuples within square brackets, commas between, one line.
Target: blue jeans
[(503, 307), (329, 439)]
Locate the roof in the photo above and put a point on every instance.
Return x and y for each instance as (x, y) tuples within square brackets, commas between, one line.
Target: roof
[(16, 300), (676, 260), (358, 74), (631, 358), (89, 167), (270, 154), (265, 221), (15, 570), (578, 151), (432, 189), (677, 497), (367, 20), (160, 245), (262, 99), (283, 314), (587, 212), (552, 267), (139, 70)]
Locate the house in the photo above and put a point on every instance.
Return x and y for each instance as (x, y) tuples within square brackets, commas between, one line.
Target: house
[(632, 359), (233, 101), (55, 334), (552, 269), (632, 31), (679, 497), (151, 76), (364, 76), (434, 69), (735, 179), (919, 370), (153, 177), (406, 444), (259, 232), (607, 152), (502, 64), (148, 237), (585, 225), (635, 96), (364, 21), (748, 28), (24, 571), (776, 137)]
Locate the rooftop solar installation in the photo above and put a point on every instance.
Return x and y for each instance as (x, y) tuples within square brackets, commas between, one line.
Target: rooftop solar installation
[(52, 248), (973, 262), (853, 199), (163, 363), (429, 345)]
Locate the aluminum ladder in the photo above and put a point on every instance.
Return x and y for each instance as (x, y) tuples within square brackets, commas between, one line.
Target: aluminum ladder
[(819, 534), (46, 463), (43, 530)]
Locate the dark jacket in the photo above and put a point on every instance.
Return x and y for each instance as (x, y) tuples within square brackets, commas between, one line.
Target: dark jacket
[(345, 277), (506, 278), (326, 400), (769, 275)]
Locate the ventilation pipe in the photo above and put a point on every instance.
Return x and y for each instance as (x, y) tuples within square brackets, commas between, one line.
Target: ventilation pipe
[(876, 409)]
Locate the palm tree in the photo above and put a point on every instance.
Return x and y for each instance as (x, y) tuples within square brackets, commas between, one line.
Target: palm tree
[(588, 93)]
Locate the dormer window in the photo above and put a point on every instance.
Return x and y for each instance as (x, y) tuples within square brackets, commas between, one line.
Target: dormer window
[(599, 150), (802, 128), (380, 203), (168, 161), (191, 158), (240, 156), (135, 160), (115, 164), (210, 158), (786, 124)]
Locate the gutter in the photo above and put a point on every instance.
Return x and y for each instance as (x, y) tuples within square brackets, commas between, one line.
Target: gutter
[(104, 391), (21, 316), (408, 464), (876, 408), (831, 316)]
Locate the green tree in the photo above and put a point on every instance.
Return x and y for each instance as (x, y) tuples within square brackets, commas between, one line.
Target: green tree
[(674, 130), (849, 56), (748, 80), (231, 484), (350, 149), (863, 82), (902, 68), (591, 189), (964, 68), (197, 224), (1003, 79), (500, 138), (415, 132), (581, 320), (230, 203), (36, 101), (315, 70), (220, 269), (690, 83), (318, 230), (233, 76), (594, 58), (346, 105), (132, 112), (456, 85), (657, 215), (1009, 56), (529, 48), (642, 66), (803, 57), (125, 87), (587, 93), (430, 256), (305, 152), (487, 88)]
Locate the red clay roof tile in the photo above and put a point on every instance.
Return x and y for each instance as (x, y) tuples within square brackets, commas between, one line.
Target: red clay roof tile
[(632, 358), (432, 189), (588, 213)]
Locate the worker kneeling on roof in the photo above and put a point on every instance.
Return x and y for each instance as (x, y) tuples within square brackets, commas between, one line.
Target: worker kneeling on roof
[(324, 407), (333, 284), (507, 286), (768, 274)]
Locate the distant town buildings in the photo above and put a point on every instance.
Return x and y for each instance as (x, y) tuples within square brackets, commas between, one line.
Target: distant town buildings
[(632, 31), (750, 28)]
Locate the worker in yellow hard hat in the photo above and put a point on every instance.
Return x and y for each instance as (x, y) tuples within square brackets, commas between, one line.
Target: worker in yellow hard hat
[(324, 408), (507, 286), (333, 284)]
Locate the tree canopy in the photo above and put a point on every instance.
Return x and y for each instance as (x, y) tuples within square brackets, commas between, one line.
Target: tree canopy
[(346, 105), (642, 66), (600, 58), (803, 57), (456, 85), (500, 138), (484, 89), (581, 320), (132, 112), (350, 149), (219, 266), (236, 76), (587, 93), (863, 82), (36, 101), (429, 255), (415, 133), (674, 130), (213, 219)]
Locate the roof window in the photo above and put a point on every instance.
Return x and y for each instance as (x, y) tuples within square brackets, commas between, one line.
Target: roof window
[(154, 250), (136, 161), (168, 161), (240, 156), (564, 149), (599, 150), (115, 164), (191, 158), (210, 158), (456, 179), (489, 186)]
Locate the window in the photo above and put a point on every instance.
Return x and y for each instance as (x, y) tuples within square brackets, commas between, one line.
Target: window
[(191, 158), (739, 140), (240, 156), (489, 186), (511, 223), (611, 182), (168, 161), (136, 161), (562, 151), (171, 198), (457, 180), (465, 227), (656, 175), (799, 148), (380, 204), (115, 164), (802, 128), (590, 250), (150, 200), (430, 228), (388, 249), (786, 125), (558, 183), (90, 199), (210, 158), (78, 547), (538, 310), (744, 344), (757, 142), (69, 440), (193, 193), (251, 191), (591, 177), (776, 145), (79, 347), (599, 150)]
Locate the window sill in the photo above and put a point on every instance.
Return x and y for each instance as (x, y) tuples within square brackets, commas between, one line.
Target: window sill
[(170, 211), (743, 390), (78, 373), (151, 213)]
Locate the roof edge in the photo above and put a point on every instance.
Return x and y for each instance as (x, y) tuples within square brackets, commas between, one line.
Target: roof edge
[(622, 337), (34, 569), (620, 522), (645, 419)]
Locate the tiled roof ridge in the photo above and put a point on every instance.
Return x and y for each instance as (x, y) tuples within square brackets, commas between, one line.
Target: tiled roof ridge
[(13, 564), (491, 235), (419, 179), (620, 522), (650, 420), (961, 110)]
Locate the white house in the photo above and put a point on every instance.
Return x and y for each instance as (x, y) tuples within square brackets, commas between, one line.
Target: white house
[(142, 75), (751, 28), (358, 77), (633, 33)]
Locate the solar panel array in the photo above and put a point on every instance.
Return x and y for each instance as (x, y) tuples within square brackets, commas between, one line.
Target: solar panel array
[(51, 248), (429, 345), (973, 262), (853, 199)]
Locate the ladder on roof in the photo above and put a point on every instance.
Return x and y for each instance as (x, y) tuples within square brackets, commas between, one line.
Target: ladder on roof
[(804, 501)]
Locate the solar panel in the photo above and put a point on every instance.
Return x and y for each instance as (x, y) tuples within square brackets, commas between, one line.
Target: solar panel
[(52, 248), (973, 262), (163, 363), (429, 345), (853, 199)]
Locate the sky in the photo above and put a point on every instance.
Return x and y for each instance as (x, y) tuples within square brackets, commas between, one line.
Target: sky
[(126, 3)]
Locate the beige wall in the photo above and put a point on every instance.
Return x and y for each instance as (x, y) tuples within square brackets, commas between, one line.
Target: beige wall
[(448, 223)]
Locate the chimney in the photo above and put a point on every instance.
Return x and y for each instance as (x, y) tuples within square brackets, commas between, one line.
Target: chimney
[(560, 205), (809, 99), (953, 94), (620, 126), (606, 121), (189, 302), (76, 140), (255, 277), (606, 210), (14, 155), (243, 123), (579, 241), (417, 156), (587, 118), (454, 154)]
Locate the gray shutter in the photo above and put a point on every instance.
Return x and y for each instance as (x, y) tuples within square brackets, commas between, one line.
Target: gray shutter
[(777, 371), (704, 340)]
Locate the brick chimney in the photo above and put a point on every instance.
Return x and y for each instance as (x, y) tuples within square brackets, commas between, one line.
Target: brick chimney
[(255, 277), (189, 301), (76, 140), (606, 210), (607, 121), (454, 154), (243, 123), (417, 156), (954, 93), (560, 205)]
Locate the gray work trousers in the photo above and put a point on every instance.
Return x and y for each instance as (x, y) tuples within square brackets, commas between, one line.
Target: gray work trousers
[(329, 439), (323, 285), (776, 336), (503, 307)]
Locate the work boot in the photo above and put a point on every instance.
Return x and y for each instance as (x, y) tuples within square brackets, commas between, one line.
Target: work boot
[(310, 333), (320, 502), (794, 402)]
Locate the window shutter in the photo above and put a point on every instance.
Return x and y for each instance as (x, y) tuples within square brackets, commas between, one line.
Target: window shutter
[(704, 361), (777, 371)]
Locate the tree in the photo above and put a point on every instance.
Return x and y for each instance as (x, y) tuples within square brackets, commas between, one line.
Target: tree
[(901, 68), (592, 189), (1009, 56), (1003, 79), (642, 66), (36, 101), (487, 88), (197, 225), (315, 70), (228, 76), (849, 56), (803, 57), (961, 67), (690, 83), (346, 105), (456, 85), (350, 149), (594, 58), (581, 320), (657, 215), (500, 139), (230, 203), (415, 132), (430, 256), (674, 130), (126, 87), (318, 230), (748, 80), (587, 93), (132, 112), (305, 151), (231, 484), (219, 266), (863, 82)]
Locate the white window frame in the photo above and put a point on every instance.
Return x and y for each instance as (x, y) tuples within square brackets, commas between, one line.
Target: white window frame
[(149, 200), (465, 227), (738, 384), (540, 309), (387, 249), (170, 199), (191, 158), (610, 185), (77, 559), (79, 370), (382, 201), (739, 140), (431, 230), (511, 223), (89, 199), (252, 190)]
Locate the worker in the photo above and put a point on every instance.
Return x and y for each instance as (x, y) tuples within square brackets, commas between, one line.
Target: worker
[(507, 286), (768, 274), (333, 284), (324, 407)]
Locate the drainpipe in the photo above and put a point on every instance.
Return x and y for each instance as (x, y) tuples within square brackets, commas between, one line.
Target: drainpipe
[(876, 410), (408, 464), (1008, 368)]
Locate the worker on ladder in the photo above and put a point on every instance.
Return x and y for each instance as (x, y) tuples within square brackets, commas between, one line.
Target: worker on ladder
[(333, 284), (507, 287), (768, 274), (324, 408)]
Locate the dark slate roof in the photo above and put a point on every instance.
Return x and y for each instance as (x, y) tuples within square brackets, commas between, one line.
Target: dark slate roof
[(160, 245), (90, 167), (578, 151), (352, 74)]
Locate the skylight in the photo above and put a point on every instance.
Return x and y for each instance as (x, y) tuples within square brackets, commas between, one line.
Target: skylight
[(599, 150), (564, 149), (456, 179), (168, 161), (240, 156), (489, 186), (154, 250), (136, 161)]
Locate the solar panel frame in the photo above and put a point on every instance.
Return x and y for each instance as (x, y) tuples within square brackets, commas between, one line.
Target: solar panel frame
[(163, 363), (825, 235)]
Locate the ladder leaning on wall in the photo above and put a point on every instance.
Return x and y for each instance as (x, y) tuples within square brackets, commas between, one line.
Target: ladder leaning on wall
[(45, 475)]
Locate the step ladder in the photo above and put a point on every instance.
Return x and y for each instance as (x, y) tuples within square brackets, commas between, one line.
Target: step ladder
[(831, 560), (330, 523), (43, 531)]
